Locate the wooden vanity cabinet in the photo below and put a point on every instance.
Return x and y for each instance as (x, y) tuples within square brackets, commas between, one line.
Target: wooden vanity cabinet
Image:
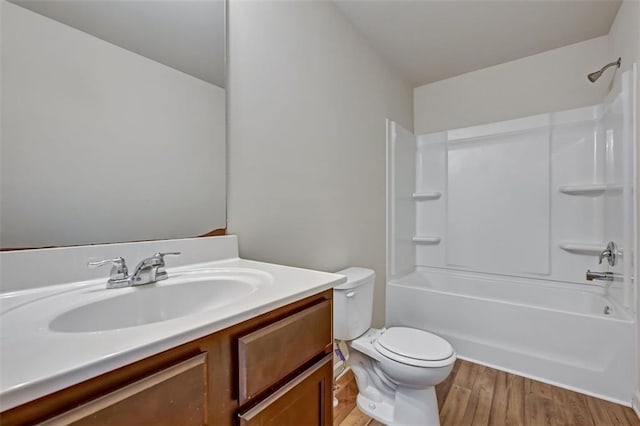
[(310, 393), (274, 369)]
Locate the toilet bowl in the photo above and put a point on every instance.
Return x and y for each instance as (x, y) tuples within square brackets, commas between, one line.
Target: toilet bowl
[(396, 368), (393, 387)]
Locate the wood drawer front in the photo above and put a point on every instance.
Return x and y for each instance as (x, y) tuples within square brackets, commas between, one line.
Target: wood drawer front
[(173, 396), (305, 400), (268, 355)]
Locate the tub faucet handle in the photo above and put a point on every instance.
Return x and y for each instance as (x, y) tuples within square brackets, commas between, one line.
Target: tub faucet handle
[(610, 253), (605, 253)]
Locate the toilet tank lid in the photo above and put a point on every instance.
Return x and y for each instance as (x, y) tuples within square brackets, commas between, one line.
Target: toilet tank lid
[(355, 277)]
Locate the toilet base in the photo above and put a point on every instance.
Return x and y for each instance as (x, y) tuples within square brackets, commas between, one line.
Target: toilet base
[(411, 407), (380, 411)]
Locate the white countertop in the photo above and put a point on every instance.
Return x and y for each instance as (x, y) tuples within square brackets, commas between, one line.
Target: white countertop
[(36, 361)]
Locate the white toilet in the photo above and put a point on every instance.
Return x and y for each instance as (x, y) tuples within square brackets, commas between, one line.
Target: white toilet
[(396, 368)]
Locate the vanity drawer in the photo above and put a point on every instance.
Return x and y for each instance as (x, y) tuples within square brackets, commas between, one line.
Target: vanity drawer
[(268, 355), (175, 395), (305, 400)]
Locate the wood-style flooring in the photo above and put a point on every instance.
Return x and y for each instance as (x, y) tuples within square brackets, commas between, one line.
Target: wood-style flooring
[(477, 395)]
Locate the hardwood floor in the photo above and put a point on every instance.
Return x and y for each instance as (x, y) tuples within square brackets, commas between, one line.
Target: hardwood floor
[(477, 395)]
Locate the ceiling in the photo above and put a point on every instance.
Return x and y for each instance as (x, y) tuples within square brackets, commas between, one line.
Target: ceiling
[(428, 40), (187, 35)]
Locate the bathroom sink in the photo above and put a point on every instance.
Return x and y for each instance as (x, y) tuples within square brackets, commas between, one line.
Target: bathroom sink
[(186, 294)]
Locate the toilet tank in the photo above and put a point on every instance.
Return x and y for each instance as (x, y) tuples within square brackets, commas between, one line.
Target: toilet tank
[(353, 303)]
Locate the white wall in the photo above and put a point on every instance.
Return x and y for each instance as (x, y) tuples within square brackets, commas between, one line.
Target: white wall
[(100, 144), (308, 100), (624, 37), (551, 81)]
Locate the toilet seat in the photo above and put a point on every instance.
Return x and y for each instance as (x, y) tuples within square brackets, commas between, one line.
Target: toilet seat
[(414, 347)]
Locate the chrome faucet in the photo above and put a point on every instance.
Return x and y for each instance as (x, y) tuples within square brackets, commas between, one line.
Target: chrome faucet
[(149, 270), (611, 253)]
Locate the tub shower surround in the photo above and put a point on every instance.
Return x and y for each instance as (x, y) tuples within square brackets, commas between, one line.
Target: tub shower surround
[(492, 228)]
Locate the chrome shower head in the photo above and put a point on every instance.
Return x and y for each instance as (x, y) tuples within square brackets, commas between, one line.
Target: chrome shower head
[(594, 76)]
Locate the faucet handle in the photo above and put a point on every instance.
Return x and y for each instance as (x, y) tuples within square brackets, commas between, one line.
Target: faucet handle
[(119, 269), (170, 253), (162, 255), (605, 254), (610, 253)]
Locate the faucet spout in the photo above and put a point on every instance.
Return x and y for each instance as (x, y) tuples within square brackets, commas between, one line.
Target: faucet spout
[(151, 269), (601, 276)]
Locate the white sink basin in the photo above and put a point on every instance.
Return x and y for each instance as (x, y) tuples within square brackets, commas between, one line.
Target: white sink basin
[(181, 295)]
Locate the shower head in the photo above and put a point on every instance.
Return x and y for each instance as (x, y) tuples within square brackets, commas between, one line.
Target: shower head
[(594, 76)]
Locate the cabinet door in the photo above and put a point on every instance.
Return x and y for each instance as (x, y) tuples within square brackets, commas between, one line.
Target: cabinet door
[(306, 400), (173, 396)]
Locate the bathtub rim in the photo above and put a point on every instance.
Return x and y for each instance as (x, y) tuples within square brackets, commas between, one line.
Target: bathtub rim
[(621, 314)]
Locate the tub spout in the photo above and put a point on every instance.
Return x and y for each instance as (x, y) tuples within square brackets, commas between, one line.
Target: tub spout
[(602, 276)]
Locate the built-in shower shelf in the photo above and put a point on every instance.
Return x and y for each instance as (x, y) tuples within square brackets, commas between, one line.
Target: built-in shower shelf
[(589, 189), (426, 239), (427, 195), (583, 248)]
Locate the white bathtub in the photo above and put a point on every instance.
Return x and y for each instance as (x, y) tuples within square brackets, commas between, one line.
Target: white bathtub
[(552, 332)]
